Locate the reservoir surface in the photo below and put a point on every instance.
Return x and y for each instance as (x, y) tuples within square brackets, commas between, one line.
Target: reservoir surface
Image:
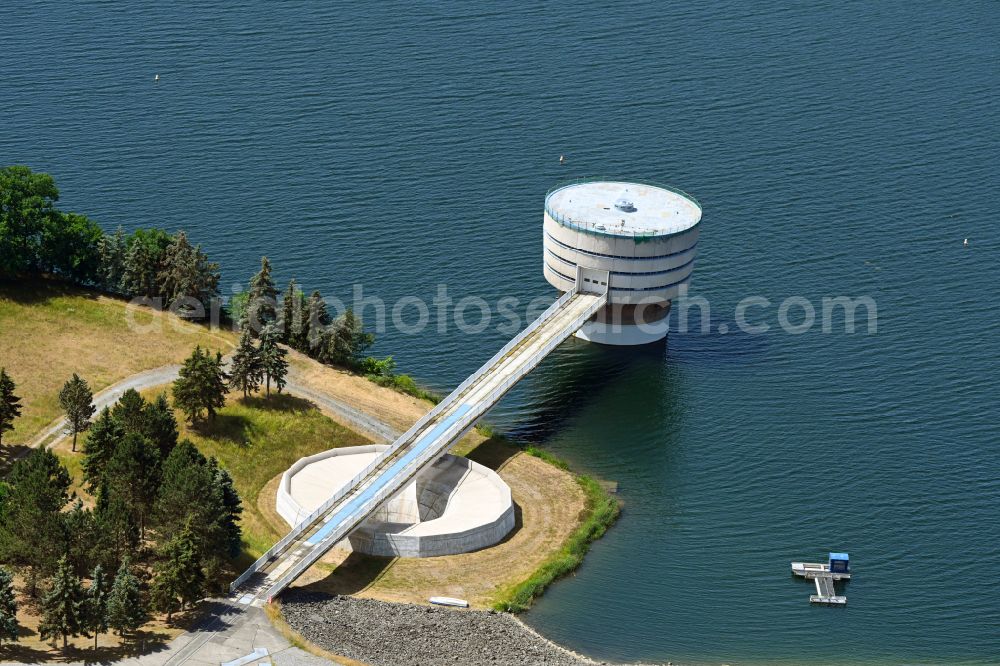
[(838, 149)]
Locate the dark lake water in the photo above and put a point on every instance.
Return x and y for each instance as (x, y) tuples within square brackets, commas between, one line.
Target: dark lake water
[(839, 148)]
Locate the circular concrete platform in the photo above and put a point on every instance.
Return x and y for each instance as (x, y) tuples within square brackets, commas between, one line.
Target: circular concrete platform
[(453, 506)]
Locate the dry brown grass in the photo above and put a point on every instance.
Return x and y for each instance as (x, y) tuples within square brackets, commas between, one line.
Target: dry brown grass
[(49, 331), (549, 503), (31, 649)]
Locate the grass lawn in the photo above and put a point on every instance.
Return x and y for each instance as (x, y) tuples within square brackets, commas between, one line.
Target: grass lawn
[(258, 438), (48, 331)]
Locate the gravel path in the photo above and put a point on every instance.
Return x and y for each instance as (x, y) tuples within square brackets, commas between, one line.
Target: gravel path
[(384, 634), (381, 431)]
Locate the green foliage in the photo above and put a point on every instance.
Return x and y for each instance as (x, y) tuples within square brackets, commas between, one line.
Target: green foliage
[(193, 494), (10, 404), (143, 258), (245, 369), (97, 604), (33, 532), (8, 607), (262, 299), (27, 204), (378, 367), (63, 608), (272, 358), (111, 250), (126, 610), (316, 325), (133, 476), (232, 507), (160, 425), (117, 532), (601, 512), (76, 400), (201, 386), (81, 536), (69, 247), (294, 322), (187, 278), (178, 576), (102, 439)]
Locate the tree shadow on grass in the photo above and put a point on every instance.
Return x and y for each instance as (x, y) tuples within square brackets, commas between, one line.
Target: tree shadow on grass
[(278, 402), (231, 428), (353, 575), (494, 452), (9, 454), (35, 290), (144, 642)]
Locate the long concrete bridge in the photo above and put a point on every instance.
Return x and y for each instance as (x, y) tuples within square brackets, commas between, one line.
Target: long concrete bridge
[(421, 445)]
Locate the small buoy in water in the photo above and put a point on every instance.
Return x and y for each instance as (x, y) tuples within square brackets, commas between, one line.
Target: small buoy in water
[(966, 242), (156, 78), (562, 159)]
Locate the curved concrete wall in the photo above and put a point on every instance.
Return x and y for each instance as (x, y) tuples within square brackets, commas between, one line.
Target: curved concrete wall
[(641, 272), (416, 522)]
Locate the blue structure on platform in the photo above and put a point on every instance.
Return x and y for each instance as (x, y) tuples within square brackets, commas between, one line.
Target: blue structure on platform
[(840, 563)]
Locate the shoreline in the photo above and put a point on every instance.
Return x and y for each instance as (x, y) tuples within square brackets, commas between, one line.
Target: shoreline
[(381, 633)]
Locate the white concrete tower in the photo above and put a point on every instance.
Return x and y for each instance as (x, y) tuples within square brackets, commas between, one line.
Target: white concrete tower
[(641, 238)]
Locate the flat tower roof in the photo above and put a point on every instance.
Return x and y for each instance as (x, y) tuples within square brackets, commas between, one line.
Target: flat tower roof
[(623, 208)]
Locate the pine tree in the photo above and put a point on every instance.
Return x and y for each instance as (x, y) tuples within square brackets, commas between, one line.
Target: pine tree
[(143, 258), (10, 404), (201, 385), (63, 607), (130, 412), (133, 474), (262, 299), (8, 607), (187, 273), (245, 368), (160, 426), (191, 494), (294, 323), (272, 357), (116, 528), (111, 250), (33, 530), (178, 576), (126, 610), (231, 503), (81, 537), (317, 324), (97, 604), (102, 440), (77, 401)]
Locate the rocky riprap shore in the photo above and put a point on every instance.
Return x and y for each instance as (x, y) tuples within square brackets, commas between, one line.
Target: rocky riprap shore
[(385, 634)]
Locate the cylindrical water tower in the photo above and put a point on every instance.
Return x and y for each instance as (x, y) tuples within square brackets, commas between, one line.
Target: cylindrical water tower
[(643, 236)]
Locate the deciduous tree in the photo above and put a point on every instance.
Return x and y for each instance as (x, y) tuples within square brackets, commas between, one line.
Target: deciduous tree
[(27, 202)]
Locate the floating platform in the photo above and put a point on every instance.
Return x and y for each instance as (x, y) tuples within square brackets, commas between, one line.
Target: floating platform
[(824, 575)]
